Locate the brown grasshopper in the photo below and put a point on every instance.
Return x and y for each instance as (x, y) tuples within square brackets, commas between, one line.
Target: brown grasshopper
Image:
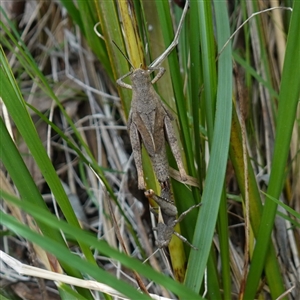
[(166, 224), (149, 120)]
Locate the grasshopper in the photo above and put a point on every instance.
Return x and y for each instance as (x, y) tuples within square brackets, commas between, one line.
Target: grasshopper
[(150, 122), (167, 220)]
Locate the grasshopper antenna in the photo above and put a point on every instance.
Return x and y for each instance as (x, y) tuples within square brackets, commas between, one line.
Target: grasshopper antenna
[(123, 54)]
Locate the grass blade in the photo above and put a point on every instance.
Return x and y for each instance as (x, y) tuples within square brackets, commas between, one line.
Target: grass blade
[(288, 100), (218, 160)]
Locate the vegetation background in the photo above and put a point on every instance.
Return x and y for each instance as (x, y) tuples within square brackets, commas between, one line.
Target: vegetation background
[(66, 155)]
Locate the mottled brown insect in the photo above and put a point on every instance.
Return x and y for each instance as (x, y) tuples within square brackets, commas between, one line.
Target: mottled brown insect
[(150, 121)]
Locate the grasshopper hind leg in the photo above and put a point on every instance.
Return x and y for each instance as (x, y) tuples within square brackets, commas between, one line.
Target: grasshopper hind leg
[(137, 154), (172, 140)]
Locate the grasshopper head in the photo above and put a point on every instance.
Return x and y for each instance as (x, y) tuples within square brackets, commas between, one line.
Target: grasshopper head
[(140, 78)]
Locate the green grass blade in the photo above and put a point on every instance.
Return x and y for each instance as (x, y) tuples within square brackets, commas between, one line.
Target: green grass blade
[(286, 207), (208, 55), (218, 159), (195, 81), (288, 101)]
